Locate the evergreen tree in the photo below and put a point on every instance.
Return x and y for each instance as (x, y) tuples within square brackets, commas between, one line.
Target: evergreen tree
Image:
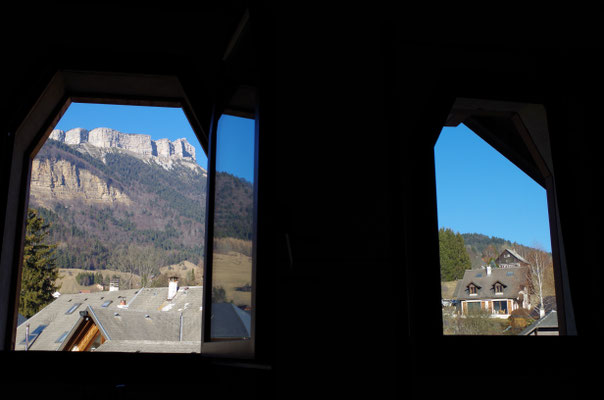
[(39, 269), (454, 259)]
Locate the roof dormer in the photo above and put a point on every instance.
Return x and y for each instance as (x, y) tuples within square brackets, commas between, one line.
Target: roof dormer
[(498, 287), (473, 289)]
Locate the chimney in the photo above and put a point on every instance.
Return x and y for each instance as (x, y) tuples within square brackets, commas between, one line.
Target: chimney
[(488, 270), (172, 287)]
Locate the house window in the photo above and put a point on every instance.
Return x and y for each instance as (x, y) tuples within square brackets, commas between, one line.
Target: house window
[(121, 214), (73, 308), (498, 288), (500, 307), (473, 307), (472, 289)]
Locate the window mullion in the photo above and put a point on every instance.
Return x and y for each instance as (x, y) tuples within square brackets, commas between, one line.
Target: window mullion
[(209, 231)]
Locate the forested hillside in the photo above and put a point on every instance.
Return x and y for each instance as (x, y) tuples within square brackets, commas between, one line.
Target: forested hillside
[(134, 211), (482, 247), (461, 251)]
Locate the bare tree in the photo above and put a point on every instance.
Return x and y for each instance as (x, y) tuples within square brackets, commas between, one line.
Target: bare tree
[(121, 262), (147, 263), (540, 263), (489, 254)]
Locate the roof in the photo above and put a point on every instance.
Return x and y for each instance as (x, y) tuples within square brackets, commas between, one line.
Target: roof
[(147, 316), (513, 279), (150, 346), (515, 254), (229, 321), (549, 322)]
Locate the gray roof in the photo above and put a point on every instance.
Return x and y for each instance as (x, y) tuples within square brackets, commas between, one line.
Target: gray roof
[(548, 322), (513, 279), (150, 346), (229, 321), (147, 316)]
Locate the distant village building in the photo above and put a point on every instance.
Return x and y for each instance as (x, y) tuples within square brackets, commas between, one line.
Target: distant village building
[(157, 320), (114, 284), (509, 258)]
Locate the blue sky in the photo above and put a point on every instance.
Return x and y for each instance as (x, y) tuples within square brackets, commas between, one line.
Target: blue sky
[(480, 191), (235, 146), (235, 134)]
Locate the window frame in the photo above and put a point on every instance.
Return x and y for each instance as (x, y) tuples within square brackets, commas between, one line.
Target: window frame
[(64, 88), (530, 123), (243, 348)]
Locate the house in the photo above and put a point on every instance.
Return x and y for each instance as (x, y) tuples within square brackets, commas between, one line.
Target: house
[(156, 320), (497, 290), (510, 258)]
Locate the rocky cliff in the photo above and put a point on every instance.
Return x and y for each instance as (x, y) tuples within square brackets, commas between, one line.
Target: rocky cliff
[(137, 143), (61, 180)]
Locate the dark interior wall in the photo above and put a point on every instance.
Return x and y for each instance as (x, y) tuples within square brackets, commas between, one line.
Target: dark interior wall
[(352, 105)]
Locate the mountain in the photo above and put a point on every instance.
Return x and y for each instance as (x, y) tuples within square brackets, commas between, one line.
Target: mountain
[(115, 200), (104, 138)]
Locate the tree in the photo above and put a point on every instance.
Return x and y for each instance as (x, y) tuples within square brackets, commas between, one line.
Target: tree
[(39, 272), (540, 277), (191, 277), (454, 259), (490, 254)]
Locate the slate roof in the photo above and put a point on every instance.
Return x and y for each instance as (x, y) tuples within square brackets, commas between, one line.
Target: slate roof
[(150, 346), (548, 322), (513, 279), (229, 321), (148, 316), (148, 322)]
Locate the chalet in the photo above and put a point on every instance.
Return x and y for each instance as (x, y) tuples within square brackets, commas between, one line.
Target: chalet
[(510, 258), (497, 290)]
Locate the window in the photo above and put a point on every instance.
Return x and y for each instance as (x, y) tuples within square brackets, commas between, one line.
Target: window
[(488, 163), (230, 255), (116, 220), (73, 308), (473, 307), (32, 335), (500, 307), (472, 289), (232, 250), (62, 337), (154, 221)]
